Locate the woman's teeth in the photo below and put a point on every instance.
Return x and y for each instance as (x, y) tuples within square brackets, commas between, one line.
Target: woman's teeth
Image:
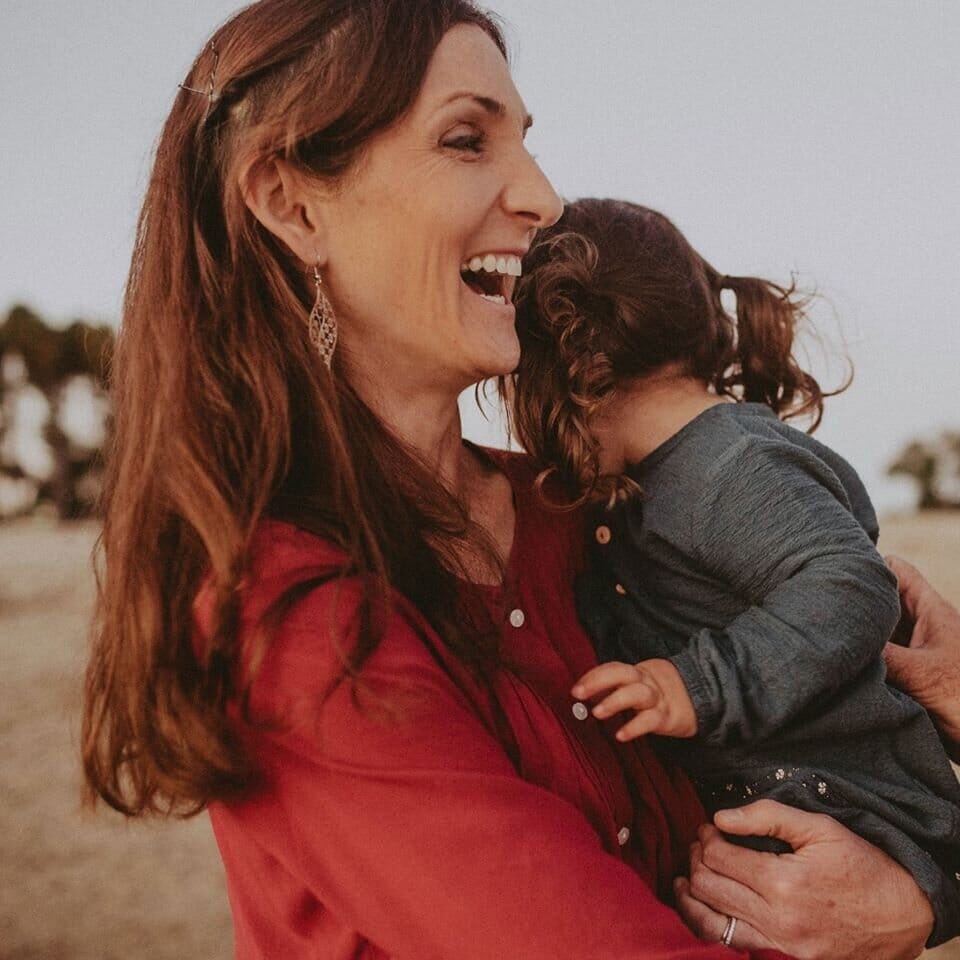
[(494, 298), (508, 265)]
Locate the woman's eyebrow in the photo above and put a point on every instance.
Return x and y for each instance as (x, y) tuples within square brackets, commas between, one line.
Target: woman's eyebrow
[(492, 106)]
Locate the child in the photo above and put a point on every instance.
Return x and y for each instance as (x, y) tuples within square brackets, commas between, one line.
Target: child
[(732, 581)]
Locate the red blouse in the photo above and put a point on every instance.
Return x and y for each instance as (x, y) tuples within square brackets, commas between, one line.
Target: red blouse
[(399, 827)]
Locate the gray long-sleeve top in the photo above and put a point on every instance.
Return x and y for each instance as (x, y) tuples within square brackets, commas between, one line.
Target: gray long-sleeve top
[(749, 561)]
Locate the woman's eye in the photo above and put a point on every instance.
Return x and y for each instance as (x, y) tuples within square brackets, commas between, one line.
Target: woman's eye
[(471, 141)]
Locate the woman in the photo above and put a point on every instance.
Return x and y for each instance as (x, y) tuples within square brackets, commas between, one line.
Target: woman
[(323, 615)]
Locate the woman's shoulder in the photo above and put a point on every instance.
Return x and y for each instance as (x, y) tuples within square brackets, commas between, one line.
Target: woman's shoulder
[(280, 556), (278, 546), (302, 595)]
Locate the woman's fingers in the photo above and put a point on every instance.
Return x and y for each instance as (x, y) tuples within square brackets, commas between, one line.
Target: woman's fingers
[(905, 665), (713, 885), (709, 924), (767, 818), (911, 584), (705, 922), (602, 678)]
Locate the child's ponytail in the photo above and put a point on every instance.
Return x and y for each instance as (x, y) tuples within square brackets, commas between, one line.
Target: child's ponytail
[(766, 371), (614, 293)]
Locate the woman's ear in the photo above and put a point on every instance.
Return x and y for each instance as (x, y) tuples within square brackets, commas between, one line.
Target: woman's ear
[(288, 205)]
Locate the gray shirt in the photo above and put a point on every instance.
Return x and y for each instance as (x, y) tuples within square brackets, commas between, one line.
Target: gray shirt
[(750, 563)]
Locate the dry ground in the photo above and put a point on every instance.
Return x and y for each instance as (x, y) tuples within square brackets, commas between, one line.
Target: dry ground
[(81, 887)]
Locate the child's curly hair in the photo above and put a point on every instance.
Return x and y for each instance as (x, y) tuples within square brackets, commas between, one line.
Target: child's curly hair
[(614, 292)]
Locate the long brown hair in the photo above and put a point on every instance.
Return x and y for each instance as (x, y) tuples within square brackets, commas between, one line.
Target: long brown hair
[(224, 413), (614, 292)]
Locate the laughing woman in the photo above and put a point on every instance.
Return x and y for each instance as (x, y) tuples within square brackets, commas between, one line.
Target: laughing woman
[(331, 622)]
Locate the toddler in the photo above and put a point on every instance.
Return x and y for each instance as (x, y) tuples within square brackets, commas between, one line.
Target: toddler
[(732, 583)]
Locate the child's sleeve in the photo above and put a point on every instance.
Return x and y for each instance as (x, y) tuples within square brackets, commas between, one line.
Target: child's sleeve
[(774, 523)]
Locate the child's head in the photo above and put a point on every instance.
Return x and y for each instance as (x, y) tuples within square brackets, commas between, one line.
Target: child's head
[(613, 293)]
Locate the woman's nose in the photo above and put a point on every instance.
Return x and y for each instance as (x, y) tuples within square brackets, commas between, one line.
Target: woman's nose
[(531, 195)]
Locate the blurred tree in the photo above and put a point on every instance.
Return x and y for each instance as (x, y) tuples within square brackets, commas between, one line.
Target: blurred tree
[(70, 367), (934, 466), (85, 350), (52, 355), (25, 333)]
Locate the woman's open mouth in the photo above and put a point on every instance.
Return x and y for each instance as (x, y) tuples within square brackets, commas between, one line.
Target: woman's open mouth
[(492, 276)]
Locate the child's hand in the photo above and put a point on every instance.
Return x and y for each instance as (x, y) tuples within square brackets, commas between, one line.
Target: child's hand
[(653, 688)]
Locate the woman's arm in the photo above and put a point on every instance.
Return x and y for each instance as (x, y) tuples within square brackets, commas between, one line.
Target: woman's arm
[(409, 823), (836, 897), (927, 666)]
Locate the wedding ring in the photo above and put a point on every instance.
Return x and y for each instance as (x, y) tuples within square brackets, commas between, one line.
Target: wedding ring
[(728, 931)]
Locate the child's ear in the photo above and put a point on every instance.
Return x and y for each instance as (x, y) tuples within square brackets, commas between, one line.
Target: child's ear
[(288, 205)]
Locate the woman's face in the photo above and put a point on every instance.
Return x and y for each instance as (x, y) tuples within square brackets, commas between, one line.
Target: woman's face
[(449, 187)]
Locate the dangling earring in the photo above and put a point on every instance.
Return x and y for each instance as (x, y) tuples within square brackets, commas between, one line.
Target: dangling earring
[(322, 325)]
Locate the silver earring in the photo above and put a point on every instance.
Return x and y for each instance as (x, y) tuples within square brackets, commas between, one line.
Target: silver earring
[(322, 325)]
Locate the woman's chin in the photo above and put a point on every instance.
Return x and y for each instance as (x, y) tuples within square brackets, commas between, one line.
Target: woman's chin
[(500, 355), (491, 332)]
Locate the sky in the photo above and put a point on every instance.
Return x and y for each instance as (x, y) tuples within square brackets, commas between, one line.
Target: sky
[(817, 138)]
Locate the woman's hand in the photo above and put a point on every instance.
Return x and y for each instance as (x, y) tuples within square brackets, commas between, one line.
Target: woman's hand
[(928, 668), (836, 897)]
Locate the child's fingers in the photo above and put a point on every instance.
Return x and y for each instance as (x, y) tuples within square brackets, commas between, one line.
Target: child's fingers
[(632, 696), (646, 721), (602, 678)]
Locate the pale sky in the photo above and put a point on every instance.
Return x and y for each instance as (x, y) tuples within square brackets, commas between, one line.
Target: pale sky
[(819, 137)]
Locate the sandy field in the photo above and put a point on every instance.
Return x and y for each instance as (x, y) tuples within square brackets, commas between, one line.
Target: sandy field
[(76, 886)]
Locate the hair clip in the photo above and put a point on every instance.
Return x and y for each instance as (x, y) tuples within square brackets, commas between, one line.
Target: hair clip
[(211, 92)]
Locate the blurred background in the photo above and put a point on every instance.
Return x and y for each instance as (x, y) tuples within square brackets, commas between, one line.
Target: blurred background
[(815, 140)]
